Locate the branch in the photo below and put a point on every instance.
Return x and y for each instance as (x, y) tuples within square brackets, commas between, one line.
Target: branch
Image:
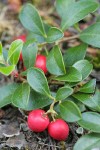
[(68, 38), (62, 40)]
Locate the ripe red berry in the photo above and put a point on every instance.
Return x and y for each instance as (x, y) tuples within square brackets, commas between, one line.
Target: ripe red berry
[(15, 73), (41, 63), (37, 120), (58, 129), (23, 38)]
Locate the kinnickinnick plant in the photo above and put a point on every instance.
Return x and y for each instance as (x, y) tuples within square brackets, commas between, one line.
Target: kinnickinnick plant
[(69, 71)]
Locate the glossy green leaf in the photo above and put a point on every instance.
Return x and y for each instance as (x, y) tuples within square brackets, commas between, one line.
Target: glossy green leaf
[(37, 101), (31, 20), (55, 62), (14, 51), (36, 37), (20, 97), (29, 52), (75, 54), (89, 87), (88, 142), (77, 11), (39, 38), (72, 75), (90, 121), (54, 34), (5, 54), (69, 111), (1, 54), (63, 93), (84, 67), (6, 94), (62, 6), (92, 101), (0, 48), (38, 81), (7, 70), (91, 35)]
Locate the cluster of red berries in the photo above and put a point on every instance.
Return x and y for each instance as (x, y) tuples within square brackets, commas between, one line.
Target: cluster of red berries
[(38, 121)]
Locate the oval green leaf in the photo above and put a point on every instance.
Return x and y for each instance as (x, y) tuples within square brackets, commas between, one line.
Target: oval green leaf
[(63, 93), (69, 111), (88, 142), (88, 35), (92, 101), (62, 6), (89, 87), (20, 97), (54, 34), (75, 54), (84, 67), (14, 51), (72, 75), (6, 93), (38, 81), (37, 101), (29, 53), (90, 121), (7, 70), (55, 62), (77, 11), (31, 19)]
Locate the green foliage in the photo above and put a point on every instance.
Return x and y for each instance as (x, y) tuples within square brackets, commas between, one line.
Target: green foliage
[(20, 97), (54, 34), (92, 101), (69, 111), (62, 6), (29, 52), (88, 35), (7, 70), (88, 142), (6, 93), (74, 97), (14, 52), (63, 93), (1, 54), (38, 81), (84, 67), (75, 54), (31, 20), (90, 121), (89, 87), (55, 62), (72, 75), (76, 12), (37, 100)]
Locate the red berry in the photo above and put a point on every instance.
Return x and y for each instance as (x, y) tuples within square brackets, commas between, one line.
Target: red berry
[(22, 37), (41, 63), (15, 73), (24, 68), (37, 120), (58, 129)]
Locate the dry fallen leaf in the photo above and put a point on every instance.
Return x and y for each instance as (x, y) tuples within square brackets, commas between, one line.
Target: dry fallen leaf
[(17, 141)]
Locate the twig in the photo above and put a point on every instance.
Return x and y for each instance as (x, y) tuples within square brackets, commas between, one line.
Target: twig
[(68, 38), (62, 40)]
